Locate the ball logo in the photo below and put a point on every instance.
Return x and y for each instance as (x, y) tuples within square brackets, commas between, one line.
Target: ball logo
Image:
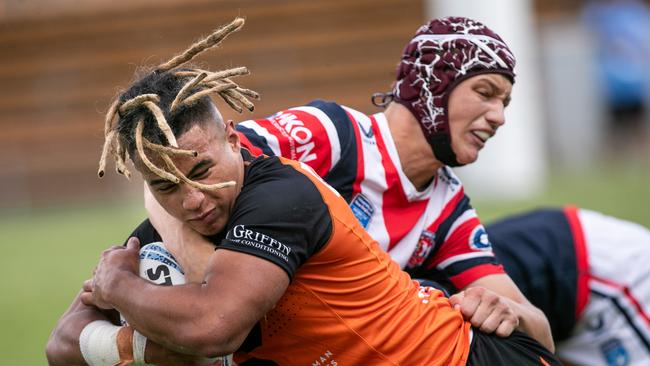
[(479, 240)]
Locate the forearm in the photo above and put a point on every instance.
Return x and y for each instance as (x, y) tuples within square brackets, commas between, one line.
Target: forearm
[(533, 322), (177, 317)]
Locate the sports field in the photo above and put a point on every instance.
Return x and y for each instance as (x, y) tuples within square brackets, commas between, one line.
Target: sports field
[(47, 255)]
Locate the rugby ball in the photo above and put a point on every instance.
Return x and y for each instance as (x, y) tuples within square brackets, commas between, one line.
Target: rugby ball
[(159, 266)]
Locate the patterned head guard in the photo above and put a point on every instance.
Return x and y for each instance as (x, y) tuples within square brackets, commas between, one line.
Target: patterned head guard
[(441, 55)]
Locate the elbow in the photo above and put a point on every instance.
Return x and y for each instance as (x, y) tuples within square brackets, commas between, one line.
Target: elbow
[(54, 353)]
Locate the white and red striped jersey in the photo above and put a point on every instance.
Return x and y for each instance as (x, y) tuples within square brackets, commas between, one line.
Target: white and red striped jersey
[(433, 234)]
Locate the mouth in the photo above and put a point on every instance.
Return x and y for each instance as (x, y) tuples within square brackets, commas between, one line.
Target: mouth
[(482, 135), (205, 215)]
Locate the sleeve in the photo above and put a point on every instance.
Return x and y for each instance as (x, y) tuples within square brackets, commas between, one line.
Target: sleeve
[(282, 221), (464, 250), (146, 233), (318, 134)]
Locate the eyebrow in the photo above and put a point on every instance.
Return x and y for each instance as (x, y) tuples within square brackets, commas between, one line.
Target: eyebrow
[(201, 164)]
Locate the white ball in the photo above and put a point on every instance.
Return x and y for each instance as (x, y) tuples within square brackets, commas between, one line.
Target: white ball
[(159, 266)]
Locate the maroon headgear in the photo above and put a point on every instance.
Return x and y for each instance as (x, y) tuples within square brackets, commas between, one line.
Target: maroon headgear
[(441, 55)]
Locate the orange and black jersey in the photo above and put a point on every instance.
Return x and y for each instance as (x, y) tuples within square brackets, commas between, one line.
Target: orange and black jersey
[(347, 303)]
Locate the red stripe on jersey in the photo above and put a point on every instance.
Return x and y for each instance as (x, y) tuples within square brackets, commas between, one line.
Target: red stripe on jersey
[(356, 186), (626, 292), (274, 129), (245, 143), (458, 242), (465, 278), (399, 213), (582, 261)]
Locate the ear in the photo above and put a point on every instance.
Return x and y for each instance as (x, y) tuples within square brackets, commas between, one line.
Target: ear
[(232, 137)]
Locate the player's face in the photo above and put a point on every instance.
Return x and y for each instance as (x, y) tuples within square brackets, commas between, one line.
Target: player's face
[(219, 160), (476, 110)]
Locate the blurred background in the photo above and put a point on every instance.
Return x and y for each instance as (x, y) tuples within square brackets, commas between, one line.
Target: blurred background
[(578, 129)]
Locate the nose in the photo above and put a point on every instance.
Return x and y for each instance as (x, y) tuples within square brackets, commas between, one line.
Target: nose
[(192, 198), (496, 115)]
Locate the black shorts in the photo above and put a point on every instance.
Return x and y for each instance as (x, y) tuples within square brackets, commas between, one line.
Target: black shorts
[(517, 349)]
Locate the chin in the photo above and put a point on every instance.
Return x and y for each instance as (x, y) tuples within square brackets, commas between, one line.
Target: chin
[(467, 158)]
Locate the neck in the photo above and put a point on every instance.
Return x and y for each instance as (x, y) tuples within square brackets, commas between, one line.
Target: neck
[(415, 155)]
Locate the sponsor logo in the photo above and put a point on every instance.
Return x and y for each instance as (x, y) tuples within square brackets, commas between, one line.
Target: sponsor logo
[(300, 136), (362, 209), (241, 235), (614, 352), (326, 359), (479, 240), (422, 249), (367, 132)]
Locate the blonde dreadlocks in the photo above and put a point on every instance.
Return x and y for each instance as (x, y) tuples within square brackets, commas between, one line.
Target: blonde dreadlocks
[(158, 98)]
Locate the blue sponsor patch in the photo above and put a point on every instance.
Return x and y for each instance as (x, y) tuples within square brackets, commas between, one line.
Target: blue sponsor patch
[(362, 209), (479, 240), (614, 352)]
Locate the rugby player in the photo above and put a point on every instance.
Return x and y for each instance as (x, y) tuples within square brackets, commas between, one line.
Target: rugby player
[(292, 276)]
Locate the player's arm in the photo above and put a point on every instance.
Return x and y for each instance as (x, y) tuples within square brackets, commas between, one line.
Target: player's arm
[(490, 300), (63, 345), (208, 319), (493, 303)]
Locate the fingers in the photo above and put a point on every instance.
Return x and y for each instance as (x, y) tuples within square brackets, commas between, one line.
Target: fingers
[(470, 303), (486, 311), (88, 285), (506, 328), (456, 300), (133, 243), (87, 298)]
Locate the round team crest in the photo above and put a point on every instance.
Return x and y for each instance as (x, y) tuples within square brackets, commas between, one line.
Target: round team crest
[(479, 239)]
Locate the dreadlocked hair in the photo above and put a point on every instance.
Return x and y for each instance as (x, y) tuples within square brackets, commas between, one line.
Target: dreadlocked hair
[(165, 103)]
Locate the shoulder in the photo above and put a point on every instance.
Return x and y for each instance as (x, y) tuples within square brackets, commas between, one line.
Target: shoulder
[(280, 215), (277, 190)]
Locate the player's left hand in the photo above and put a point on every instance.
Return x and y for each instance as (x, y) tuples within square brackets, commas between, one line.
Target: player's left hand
[(114, 262), (486, 310)]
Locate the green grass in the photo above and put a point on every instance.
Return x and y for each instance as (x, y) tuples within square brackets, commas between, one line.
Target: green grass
[(47, 256), (621, 191)]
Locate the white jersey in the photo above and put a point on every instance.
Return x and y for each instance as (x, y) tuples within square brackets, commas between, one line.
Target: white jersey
[(433, 233)]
